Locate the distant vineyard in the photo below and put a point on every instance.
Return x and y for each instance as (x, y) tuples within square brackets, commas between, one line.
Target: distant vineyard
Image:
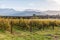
[(28, 24), (34, 16)]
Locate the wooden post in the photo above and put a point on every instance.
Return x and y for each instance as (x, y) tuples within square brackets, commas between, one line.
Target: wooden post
[(11, 27), (30, 29)]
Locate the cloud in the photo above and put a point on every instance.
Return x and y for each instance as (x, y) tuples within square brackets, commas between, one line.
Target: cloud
[(52, 5), (57, 1), (45, 5), (40, 5), (54, 2)]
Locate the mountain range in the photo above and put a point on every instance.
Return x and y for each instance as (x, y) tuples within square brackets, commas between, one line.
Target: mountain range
[(27, 12)]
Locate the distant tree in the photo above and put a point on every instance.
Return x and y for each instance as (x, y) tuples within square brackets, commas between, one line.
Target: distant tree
[(35, 16)]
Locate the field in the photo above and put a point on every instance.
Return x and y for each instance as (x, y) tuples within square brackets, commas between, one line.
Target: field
[(25, 35), (29, 29)]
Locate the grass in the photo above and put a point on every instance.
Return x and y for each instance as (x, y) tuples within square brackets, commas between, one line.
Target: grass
[(26, 35)]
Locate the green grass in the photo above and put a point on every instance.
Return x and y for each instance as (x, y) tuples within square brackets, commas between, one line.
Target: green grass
[(46, 34)]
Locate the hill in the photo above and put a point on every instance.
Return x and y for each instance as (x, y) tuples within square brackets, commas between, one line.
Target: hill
[(27, 12)]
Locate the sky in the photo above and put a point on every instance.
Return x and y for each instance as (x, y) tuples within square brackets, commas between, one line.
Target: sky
[(31, 4)]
